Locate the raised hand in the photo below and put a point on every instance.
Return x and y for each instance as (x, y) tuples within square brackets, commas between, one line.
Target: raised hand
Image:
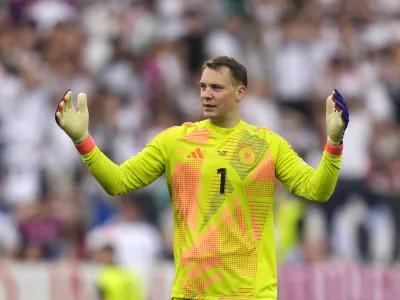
[(337, 117), (74, 122)]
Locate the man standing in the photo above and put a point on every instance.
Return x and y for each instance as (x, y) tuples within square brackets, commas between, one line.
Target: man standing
[(221, 175)]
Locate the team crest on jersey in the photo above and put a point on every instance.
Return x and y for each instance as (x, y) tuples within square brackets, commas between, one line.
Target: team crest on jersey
[(247, 156)]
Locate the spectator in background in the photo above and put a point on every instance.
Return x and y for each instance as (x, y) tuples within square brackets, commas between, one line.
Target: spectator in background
[(40, 232), (9, 237), (391, 76), (115, 282), (294, 56), (194, 39), (137, 244), (261, 109)]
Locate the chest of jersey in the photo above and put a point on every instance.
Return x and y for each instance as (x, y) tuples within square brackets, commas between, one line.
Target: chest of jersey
[(222, 178), (220, 166), (239, 154)]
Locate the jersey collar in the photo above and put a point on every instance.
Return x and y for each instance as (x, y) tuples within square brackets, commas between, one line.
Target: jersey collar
[(223, 131)]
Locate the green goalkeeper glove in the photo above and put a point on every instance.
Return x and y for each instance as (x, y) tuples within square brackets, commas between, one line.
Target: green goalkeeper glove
[(337, 118), (75, 123)]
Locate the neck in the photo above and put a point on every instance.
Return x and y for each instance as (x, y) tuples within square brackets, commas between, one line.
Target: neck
[(225, 122)]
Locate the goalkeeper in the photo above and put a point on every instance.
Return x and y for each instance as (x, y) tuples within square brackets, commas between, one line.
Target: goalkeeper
[(221, 176)]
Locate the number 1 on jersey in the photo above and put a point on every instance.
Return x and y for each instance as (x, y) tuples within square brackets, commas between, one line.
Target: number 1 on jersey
[(222, 171)]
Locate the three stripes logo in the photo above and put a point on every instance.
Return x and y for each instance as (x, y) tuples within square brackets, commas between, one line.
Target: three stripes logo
[(196, 154)]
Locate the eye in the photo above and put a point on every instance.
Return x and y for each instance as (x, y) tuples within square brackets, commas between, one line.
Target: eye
[(217, 88)]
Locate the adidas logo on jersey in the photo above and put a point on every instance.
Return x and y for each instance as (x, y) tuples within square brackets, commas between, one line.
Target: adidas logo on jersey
[(196, 154)]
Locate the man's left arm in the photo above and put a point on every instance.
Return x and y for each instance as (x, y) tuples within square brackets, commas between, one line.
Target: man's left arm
[(305, 181)]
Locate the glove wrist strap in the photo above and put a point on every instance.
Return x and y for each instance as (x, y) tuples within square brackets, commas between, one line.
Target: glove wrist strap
[(334, 150), (86, 146)]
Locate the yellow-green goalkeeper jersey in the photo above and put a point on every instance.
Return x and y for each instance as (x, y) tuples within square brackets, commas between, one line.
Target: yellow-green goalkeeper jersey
[(221, 183)]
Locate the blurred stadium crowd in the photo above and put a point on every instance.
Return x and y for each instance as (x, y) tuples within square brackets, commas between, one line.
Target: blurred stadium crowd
[(139, 63)]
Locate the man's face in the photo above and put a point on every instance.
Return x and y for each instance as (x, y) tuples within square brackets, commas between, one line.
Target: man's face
[(218, 94)]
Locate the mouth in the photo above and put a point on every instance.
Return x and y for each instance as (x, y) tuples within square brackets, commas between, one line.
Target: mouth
[(209, 106)]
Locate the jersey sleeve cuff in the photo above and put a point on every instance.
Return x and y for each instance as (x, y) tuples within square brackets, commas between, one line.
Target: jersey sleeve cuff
[(334, 150), (86, 146)]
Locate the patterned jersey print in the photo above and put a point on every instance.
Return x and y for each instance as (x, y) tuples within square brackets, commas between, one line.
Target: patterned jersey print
[(222, 184)]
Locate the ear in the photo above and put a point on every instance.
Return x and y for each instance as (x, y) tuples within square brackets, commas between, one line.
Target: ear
[(240, 92)]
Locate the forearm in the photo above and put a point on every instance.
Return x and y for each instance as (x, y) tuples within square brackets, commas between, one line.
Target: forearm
[(108, 174), (319, 184), (138, 171), (114, 179)]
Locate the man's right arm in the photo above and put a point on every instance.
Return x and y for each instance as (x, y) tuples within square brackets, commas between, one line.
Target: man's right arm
[(136, 172)]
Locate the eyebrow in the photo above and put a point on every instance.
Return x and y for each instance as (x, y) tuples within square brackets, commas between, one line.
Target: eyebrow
[(212, 84)]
